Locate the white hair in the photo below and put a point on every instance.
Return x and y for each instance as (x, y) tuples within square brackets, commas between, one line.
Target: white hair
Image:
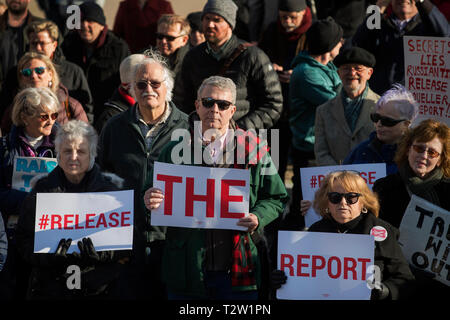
[(127, 66)]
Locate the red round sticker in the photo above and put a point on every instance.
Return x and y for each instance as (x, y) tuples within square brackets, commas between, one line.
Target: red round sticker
[(379, 233)]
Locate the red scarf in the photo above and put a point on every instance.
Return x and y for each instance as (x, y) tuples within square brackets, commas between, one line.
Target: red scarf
[(301, 29), (124, 94)]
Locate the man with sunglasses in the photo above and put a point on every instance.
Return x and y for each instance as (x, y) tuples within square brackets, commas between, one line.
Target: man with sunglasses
[(259, 101), (129, 144), (393, 114), (344, 121)]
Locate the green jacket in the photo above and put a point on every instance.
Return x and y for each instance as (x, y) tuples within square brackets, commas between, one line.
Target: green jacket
[(123, 151), (184, 253), (311, 85)]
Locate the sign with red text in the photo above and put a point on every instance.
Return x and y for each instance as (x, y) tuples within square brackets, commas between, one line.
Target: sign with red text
[(325, 266), (427, 76), (424, 238), (26, 168), (105, 217), (201, 197), (312, 177)]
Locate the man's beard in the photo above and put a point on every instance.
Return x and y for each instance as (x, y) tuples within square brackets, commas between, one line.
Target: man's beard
[(21, 9)]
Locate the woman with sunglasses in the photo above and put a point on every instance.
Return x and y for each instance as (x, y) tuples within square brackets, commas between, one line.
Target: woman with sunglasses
[(423, 160), (394, 113), (34, 114), (35, 70), (347, 205)]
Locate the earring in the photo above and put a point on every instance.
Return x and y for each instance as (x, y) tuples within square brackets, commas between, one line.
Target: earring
[(327, 210), (50, 83), (364, 210)]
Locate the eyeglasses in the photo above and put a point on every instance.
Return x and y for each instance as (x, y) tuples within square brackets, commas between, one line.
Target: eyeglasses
[(161, 36), (421, 149), (385, 121), (142, 85), (348, 68), (45, 117), (40, 43), (29, 71), (222, 104), (350, 197)]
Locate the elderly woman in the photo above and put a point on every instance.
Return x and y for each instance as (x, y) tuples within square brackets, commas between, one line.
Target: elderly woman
[(35, 70), (394, 113), (76, 145), (347, 205), (423, 160), (32, 135)]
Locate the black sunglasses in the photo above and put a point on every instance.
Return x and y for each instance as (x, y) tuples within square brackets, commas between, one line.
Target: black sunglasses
[(142, 85), (385, 121), (222, 104), (161, 36), (350, 197), (29, 71)]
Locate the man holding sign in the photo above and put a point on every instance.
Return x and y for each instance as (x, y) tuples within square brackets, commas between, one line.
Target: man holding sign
[(219, 263)]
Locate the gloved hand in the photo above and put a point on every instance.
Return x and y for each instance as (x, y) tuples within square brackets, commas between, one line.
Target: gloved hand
[(90, 256), (380, 292), (277, 279), (60, 254)]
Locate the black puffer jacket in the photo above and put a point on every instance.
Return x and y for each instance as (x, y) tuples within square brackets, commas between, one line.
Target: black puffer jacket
[(259, 100), (47, 275)]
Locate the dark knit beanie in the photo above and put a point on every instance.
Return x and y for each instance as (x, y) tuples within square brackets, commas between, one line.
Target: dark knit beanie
[(227, 9), (355, 55), (323, 36), (195, 20), (92, 12), (292, 5)]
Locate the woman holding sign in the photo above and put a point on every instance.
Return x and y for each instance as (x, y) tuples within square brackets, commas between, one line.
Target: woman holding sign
[(423, 160), (76, 148), (32, 135), (347, 205)]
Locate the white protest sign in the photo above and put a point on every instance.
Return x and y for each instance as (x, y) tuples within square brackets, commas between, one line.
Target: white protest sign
[(427, 73), (201, 197), (424, 237), (26, 168), (312, 179), (325, 266), (105, 217)]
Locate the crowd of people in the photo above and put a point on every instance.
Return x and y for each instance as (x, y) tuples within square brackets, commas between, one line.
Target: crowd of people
[(105, 102)]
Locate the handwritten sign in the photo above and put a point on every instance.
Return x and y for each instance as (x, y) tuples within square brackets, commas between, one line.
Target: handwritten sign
[(325, 266), (201, 197), (105, 217), (427, 76), (424, 237), (312, 177), (26, 168)]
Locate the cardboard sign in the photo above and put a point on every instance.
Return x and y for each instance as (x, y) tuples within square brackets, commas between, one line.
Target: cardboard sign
[(312, 178), (427, 76), (201, 197), (26, 168), (424, 237), (325, 266), (105, 217)]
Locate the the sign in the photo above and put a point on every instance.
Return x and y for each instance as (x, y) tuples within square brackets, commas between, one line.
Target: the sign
[(105, 217), (325, 266), (201, 197), (427, 76), (26, 168), (312, 177), (424, 238)]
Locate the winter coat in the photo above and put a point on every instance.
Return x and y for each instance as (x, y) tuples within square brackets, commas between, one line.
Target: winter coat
[(47, 278), (138, 26), (102, 67), (333, 137), (11, 146), (386, 44), (373, 150), (185, 257), (395, 272), (259, 101), (3, 243), (311, 85)]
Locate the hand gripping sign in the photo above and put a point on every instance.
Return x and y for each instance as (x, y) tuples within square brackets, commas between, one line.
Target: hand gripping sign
[(424, 238), (26, 168), (105, 217), (201, 197), (325, 266), (312, 178)]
